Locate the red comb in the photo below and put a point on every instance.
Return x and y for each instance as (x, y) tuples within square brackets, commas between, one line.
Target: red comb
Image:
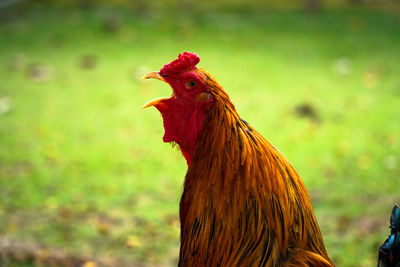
[(185, 61)]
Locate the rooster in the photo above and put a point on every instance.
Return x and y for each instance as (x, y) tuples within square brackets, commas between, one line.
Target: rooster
[(243, 204)]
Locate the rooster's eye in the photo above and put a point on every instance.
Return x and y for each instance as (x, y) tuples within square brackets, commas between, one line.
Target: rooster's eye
[(190, 84)]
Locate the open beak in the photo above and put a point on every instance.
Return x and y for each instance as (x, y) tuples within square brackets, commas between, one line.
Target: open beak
[(157, 101)]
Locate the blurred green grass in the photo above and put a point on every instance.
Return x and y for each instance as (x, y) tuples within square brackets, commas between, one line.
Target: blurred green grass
[(84, 169)]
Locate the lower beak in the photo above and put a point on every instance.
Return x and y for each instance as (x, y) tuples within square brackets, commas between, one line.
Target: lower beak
[(158, 101), (155, 102)]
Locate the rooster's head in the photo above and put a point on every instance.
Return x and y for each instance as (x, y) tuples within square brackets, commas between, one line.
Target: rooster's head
[(185, 111)]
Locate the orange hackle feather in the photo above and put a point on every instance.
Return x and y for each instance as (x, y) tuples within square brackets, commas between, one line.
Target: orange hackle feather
[(243, 203)]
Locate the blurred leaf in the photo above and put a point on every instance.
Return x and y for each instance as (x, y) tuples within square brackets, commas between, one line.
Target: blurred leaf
[(39, 73), (88, 61), (133, 241), (89, 264), (5, 105), (342, 66), (370, 79), (308, 111)]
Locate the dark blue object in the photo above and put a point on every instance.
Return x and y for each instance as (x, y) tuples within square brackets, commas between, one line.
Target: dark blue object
[(389, 252), (395, 220)]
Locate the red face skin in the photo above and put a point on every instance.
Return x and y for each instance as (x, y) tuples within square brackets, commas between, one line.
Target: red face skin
[(185, 111)]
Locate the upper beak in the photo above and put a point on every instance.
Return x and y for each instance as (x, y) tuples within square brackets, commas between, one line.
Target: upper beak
[(157, 101), (154, 74)]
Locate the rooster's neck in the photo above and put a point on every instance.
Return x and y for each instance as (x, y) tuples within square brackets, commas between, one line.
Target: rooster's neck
[(222, 152)]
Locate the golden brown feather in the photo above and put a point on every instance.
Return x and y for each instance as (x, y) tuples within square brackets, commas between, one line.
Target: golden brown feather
[(243, 204)]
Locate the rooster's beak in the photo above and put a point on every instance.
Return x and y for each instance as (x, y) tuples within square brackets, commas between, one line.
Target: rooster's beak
[(154, 74), (157, 101)]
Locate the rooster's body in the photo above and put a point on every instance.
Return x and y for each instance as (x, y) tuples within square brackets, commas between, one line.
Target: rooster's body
[(243, 204)]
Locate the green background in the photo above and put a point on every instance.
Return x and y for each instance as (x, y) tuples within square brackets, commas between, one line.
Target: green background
[(84, 171)]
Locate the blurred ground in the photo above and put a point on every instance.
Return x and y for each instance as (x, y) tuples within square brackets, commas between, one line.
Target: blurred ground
[(84, 172)]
